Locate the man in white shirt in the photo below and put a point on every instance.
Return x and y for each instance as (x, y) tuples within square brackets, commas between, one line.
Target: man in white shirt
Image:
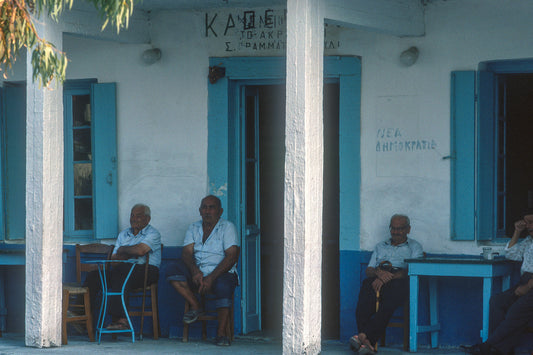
[(387, 274), (208, 264), (512, 310)]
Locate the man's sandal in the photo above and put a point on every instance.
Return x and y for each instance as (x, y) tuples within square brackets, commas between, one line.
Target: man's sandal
[(192, 316), (355, 343)]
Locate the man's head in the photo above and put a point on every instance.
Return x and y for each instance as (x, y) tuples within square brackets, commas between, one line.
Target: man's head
[(139, 217), (399, 227), (528, 218), (210, 210)]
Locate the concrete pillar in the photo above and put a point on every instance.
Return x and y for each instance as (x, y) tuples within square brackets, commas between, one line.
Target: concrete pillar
[(44, 203), (303, 178)]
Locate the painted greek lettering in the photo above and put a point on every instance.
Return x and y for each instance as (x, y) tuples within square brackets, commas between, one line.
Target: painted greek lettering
[(433, 144), (271, 45), (378, 147), (249, 20), (407, 145), (397, 133), (262, 45), (418, 145), (270, 34), (209, 25), (380, 133), (229, 24), (262, 35), (228, 47), (280, 34), (269, 18)]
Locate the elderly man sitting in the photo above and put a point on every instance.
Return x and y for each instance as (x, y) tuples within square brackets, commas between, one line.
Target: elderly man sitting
[(386, 273)]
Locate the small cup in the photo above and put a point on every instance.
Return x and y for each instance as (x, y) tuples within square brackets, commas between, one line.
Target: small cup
[(487, 253)]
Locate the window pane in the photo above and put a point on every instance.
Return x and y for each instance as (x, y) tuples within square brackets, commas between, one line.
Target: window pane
[(81, 110), (83, 214), (82, 144), (83, 179)]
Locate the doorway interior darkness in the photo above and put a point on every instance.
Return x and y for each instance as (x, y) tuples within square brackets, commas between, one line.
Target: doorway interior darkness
[(515, 165), (272, 166)]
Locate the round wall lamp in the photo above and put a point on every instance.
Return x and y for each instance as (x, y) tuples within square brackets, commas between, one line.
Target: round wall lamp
[(150, 56), (409, 56)]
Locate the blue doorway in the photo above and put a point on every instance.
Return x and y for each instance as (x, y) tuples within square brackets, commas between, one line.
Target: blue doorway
[(225, 158)]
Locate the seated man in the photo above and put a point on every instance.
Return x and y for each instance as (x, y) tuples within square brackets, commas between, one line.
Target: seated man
[(512, 310), (386, 273), (208, 264), (133, 244)]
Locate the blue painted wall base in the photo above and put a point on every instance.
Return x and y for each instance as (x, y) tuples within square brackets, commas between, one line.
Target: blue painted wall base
[(459, 303)]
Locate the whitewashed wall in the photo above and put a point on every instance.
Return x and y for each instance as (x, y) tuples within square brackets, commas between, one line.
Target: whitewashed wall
[(162, 110)]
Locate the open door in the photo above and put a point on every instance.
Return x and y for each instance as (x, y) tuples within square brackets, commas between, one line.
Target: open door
[(250, 211)]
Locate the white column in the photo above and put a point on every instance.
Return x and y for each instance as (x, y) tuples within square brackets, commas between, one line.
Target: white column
[(303, 178), (44, 203)]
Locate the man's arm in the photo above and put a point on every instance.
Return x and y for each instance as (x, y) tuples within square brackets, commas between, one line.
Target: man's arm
[(187, 255), (230, 258), (519, 226), (133, 251)]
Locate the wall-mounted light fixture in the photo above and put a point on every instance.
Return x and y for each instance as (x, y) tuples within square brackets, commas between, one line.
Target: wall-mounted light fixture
[(409, 56), (150, 56)]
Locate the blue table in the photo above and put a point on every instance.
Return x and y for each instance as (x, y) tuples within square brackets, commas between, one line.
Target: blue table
[(106, 293), (8, 257), (454, 267)]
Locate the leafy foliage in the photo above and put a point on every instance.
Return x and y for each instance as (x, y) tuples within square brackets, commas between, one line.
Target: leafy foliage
[(17, 30)]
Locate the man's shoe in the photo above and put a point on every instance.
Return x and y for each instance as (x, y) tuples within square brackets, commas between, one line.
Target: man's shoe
[(192, 316), (222, 341)]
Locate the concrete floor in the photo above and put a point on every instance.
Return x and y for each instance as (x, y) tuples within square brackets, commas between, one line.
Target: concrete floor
[(14, 344)]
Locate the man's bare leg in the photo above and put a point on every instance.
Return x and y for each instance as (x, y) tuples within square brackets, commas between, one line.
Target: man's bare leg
[(183, 289), (222, 316)]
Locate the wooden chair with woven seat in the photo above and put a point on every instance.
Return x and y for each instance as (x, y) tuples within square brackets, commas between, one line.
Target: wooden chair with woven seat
[(141, 311), (210, 314), (72, 292)]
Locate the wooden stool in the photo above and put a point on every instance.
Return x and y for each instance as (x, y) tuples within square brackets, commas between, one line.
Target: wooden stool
[(210, 314)]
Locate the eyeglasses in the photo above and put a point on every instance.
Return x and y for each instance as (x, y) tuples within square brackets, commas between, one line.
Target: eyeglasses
[(398, 229)]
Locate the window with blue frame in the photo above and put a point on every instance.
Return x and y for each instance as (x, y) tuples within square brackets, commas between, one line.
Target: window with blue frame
[(492, 177), (90, 205)]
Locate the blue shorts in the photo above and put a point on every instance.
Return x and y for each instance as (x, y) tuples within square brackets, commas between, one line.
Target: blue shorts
[(223, 286)]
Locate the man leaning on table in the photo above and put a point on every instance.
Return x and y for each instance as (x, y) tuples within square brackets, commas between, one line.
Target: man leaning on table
[(512, 310), (387, 274), (134, 244)]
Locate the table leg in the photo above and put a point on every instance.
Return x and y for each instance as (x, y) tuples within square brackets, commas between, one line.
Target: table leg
[(487, 290), (506, 282), (413, 309), (434, 311)]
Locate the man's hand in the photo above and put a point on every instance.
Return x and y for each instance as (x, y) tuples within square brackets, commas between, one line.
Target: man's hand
[(385, 276), (520, 225), (377, 284), (522, 290), (198, 279), (207, 282)]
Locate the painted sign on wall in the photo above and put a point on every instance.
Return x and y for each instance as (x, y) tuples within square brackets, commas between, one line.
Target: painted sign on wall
[(258, 31)]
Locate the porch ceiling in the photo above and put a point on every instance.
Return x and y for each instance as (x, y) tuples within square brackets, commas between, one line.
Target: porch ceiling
[(148, 5)]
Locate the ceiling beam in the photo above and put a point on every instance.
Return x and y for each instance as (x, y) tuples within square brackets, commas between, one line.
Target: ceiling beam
[(403, 18)]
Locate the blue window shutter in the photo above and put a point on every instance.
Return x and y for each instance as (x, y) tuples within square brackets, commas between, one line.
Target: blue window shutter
[(486, 189), (103, 103), (15, 161), (463, 165)]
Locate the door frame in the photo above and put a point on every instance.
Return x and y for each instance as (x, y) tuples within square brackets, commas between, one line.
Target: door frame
[(223, 155)]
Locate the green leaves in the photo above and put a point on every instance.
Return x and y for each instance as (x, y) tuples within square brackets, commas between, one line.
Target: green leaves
[(117, 12), (17, 31)]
